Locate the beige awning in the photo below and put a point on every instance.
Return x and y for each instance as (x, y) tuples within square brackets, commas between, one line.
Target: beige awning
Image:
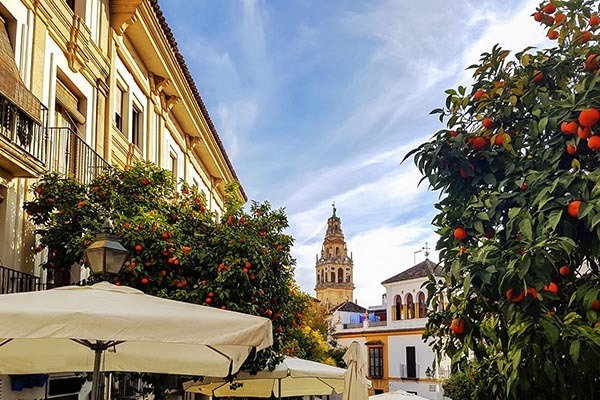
[(69, 101), (295, 377), (11, 84), (47, 331)]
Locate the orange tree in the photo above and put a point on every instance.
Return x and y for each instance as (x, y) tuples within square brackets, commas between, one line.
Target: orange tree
[(178, 250), (519, 217)]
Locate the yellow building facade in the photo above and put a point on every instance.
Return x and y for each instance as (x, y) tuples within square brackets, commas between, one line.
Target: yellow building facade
[(90, 83)]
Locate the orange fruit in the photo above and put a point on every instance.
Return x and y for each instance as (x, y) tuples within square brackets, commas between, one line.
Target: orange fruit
[(499, 140), (479, 94), (552, 34), (551, 287), (489, 232), (138, 247), (460, 233), (559, 18), (514, 299), (596, 305), (573, 208), (479, 143), (584, 133), (569, 128), (488, 123), (594, 143), (538, 16), (589, 117), (591, 62), (538, 77), (457, 326), (584, 37), (564, 270), (467, 172), (549, 8), (144, 281), (453, 133), (594, 20), (531, 291), (571, 149)]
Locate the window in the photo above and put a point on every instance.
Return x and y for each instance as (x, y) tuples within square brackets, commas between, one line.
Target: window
[(135, 136), (422, 305), (332, 277), (173, 165), (397, 308), (340, 275), (119, 97), (411, 366), (376, 362), (410, 307)]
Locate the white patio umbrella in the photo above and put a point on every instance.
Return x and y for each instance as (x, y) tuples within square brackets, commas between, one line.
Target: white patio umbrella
[(114, 328), (397, 395), (292, 377), (356, 385)]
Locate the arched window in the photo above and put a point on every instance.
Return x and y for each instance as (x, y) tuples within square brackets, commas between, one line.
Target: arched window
[(337, 251), (348, 276), (333, 277), (397, 308), (318, 278), (422, 305), (322, 276), (340, 275), (410, 307)]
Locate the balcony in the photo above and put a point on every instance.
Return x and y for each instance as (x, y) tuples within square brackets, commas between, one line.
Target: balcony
[(22, 141), (409, 371), (13, 281), (70, 155)]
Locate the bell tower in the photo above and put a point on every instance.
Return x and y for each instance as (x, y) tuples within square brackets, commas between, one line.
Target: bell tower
[(334, 267)]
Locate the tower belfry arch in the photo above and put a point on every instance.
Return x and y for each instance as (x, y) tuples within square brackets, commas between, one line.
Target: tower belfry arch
[(334, 266)]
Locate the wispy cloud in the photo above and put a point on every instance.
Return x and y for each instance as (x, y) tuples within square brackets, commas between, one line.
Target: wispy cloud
[(319, 102)]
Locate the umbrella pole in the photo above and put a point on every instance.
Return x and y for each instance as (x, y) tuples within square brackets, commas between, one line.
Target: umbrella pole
[(279, 387), (96, 374)]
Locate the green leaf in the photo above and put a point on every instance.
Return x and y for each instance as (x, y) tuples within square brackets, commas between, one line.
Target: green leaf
[(550, 370), (525, 228), (574, 350)]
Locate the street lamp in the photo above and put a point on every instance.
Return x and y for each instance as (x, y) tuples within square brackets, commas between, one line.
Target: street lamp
[(429, 372), (106, 255)]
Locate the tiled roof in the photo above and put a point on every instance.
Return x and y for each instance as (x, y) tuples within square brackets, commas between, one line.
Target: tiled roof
[(349, 306), (421, 270), (188, 76)]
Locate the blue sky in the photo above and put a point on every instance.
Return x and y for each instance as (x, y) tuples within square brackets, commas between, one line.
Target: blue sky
[(319, 101)]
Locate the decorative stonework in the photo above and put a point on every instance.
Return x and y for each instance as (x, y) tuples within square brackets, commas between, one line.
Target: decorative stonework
[(334, 268), (122, 14), (158, 83), (168, 102), (75, 54)]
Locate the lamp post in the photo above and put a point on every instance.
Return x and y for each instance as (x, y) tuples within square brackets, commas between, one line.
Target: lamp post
[(106, 255)]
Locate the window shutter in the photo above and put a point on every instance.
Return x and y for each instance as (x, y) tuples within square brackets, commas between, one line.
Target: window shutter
[(69, 101)]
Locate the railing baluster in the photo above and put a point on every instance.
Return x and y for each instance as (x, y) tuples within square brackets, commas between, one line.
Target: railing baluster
[(13, 281)]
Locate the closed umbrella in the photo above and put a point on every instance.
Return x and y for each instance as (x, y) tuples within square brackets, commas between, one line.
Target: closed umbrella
[(356, 385), (292, 377), (114, 328)]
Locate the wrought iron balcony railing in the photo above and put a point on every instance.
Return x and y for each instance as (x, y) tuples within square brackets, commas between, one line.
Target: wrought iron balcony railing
[(71, 155), (13, 281), (22, 129)]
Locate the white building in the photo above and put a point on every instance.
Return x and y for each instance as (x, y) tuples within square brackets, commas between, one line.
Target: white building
[(398, 358)]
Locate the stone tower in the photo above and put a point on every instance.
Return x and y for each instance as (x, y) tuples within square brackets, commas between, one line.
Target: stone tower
[(334, 267)]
